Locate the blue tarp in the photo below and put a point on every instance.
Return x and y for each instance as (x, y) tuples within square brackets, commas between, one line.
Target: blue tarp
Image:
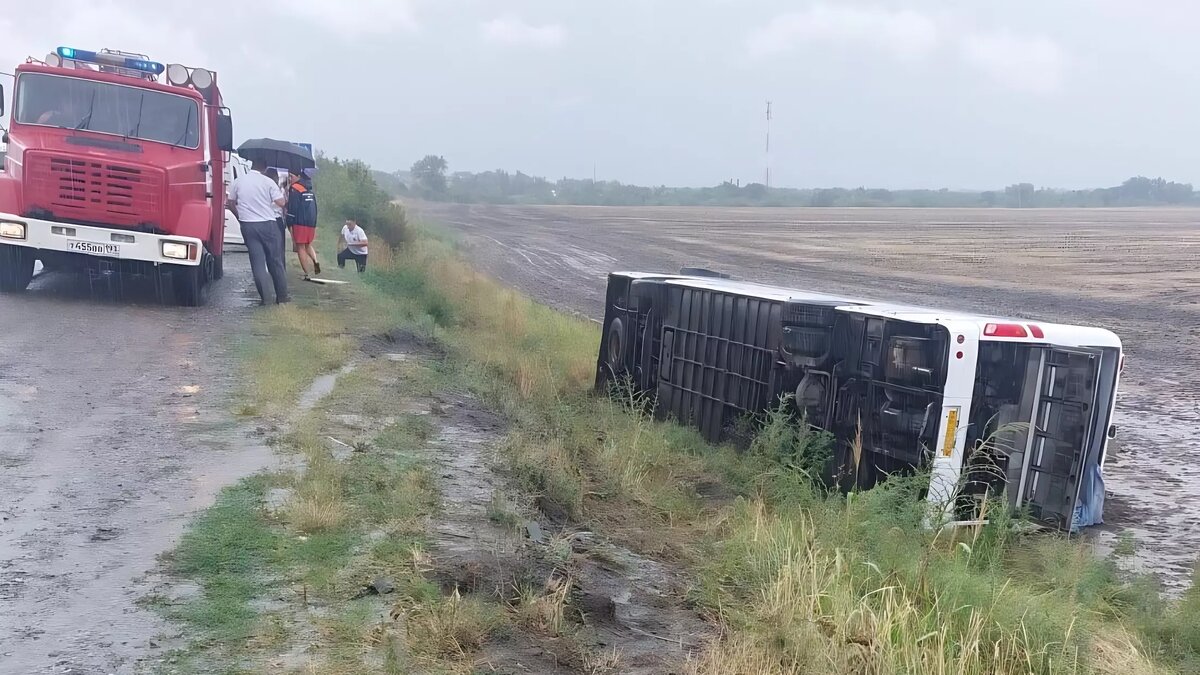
[(1089, 510)]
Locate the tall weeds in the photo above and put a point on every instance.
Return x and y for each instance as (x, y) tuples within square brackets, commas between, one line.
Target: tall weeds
[(346, 189)]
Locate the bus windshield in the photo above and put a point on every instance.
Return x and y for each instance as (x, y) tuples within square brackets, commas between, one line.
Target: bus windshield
[(130, 112)]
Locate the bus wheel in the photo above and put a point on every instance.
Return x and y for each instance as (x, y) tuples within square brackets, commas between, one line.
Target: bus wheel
[(192, 283), (616, 347), (16, 268)]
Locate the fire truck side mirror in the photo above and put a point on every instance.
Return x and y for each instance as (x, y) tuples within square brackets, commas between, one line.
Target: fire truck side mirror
[(1, 99), (225, 133)]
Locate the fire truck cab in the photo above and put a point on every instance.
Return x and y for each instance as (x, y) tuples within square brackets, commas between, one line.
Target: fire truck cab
[(109, 169)]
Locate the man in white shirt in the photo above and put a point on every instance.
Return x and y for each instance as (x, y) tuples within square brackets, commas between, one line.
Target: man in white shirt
[(356, 246), (255, 199)]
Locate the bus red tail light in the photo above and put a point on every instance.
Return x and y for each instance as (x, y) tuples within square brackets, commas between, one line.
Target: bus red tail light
[(1009, 330)]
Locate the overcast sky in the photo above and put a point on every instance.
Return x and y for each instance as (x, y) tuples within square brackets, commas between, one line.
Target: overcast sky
[(1062, 93)]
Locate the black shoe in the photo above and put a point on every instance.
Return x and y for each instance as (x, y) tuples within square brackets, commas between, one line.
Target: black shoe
[(316, 267), (285, 300)]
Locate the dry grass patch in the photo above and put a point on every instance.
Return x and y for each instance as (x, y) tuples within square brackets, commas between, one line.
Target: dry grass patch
[(603, 662), (545, 612), (452, 626), (800, 595), (319, 504), (545, 468), (320, 510)]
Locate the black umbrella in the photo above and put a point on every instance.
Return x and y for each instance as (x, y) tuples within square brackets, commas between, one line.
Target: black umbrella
[(275, 153)]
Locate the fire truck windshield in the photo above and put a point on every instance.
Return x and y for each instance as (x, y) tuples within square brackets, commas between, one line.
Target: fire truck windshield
[(129, 112)]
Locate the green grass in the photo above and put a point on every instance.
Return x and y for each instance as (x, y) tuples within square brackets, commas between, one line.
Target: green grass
[(294, 347), (227, 551)]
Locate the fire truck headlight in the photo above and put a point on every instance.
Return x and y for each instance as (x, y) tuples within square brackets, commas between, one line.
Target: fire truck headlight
[(177, 74), (174, 249), (201, 79), (10, 230)]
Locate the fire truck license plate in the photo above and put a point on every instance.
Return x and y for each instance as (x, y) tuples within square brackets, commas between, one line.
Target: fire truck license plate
[(88, 247)]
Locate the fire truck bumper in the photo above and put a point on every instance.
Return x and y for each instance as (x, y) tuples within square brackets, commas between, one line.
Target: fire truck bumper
[(101, 242)]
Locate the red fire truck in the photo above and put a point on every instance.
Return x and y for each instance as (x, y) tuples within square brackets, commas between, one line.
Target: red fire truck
[(115, 164)]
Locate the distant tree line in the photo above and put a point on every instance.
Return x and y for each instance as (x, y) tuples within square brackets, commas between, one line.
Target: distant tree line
[(429, 178)]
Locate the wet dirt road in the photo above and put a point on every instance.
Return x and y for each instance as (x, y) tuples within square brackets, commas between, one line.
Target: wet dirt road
[(1134, 271), (113, 430)]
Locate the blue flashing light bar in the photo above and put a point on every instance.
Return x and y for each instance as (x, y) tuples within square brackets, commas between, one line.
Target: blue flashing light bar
[(140, 65)]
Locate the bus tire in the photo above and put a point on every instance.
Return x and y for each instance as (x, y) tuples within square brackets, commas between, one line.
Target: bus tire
[(615, 352), (16, 268), (192, 283)]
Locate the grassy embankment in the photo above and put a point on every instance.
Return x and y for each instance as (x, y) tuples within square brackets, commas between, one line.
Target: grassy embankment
[(799, 580)]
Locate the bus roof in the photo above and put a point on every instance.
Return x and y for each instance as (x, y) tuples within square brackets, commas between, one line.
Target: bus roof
[(1052, 333)]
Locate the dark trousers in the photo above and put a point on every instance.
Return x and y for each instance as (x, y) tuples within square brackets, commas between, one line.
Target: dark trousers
[(282, 239), (359, 258), (265, 247)]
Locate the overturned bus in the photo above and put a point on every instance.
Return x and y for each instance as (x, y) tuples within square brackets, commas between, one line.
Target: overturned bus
[(989, 406)]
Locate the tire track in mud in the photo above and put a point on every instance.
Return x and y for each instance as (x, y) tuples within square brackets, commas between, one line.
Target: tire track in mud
[(631, 608), (1130, 270)]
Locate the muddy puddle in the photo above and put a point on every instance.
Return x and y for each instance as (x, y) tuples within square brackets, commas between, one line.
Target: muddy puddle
[(1152, 478), (319, 389)]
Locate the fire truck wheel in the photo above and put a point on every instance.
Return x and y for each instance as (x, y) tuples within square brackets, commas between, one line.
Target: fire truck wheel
[(218, 267), (192, 283), (16, 268)]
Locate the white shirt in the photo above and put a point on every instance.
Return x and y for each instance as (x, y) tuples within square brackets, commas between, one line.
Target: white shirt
[(255, 195), (355, 240)]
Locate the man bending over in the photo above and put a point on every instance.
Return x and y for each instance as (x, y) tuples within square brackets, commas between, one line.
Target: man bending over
[(356, 246)]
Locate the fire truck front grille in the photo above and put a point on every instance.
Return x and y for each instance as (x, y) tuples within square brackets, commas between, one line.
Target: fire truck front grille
[(87, 190)]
